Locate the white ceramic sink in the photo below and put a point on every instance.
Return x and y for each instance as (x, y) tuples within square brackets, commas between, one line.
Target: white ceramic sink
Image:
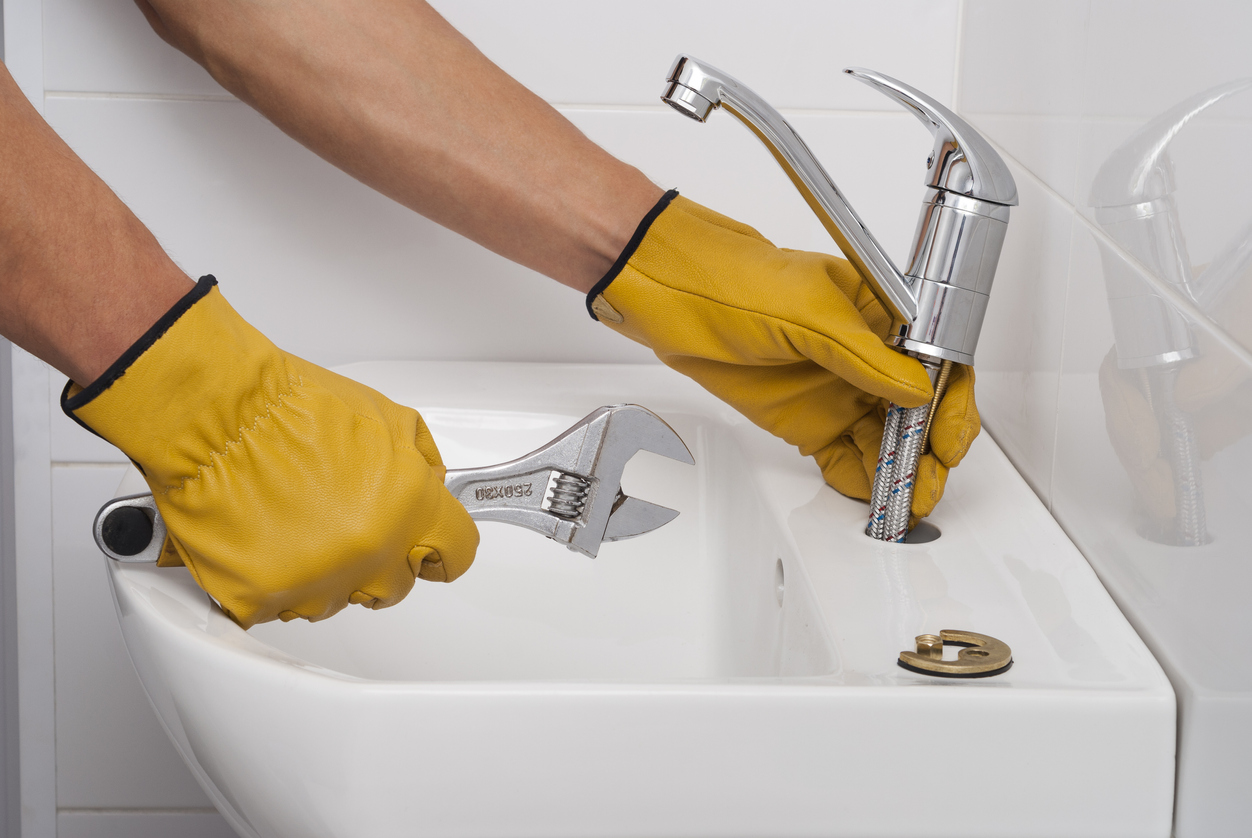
[(733, 673)]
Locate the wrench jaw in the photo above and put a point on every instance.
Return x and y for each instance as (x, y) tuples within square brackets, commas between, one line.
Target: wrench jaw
[(582, 505), (623, 431), (632, 517)]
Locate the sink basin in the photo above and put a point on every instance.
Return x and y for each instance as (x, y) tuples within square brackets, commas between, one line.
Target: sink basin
[(733, 673)]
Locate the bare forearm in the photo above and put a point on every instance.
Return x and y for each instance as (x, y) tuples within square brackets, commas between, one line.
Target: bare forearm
[(81, 278), (388, 91)]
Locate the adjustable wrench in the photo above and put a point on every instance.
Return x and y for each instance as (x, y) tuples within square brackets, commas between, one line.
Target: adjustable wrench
[(569, 490)]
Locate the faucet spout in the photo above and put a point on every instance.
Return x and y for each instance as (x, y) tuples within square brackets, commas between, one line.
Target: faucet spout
[(695, 89)]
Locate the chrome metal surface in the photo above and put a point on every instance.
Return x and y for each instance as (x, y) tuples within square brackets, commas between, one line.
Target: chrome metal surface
[(939, 302), (633, 517), (692, 83), (580, 473), (955, 252), (905, 432), (884, 472), (568, 490), (941, 387), (962, 161), (900, 493), (147, 505)]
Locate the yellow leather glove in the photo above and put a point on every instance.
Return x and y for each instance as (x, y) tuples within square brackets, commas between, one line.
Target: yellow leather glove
[(288, 491), (792, 340)]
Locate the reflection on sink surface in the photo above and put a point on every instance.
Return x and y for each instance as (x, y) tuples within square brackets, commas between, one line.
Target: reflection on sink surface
[(733, 673)]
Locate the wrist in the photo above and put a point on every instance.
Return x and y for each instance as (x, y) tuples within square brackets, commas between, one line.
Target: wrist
[(628, 248)]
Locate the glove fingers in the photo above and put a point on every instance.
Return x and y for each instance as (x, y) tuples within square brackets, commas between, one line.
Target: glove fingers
[(848, 463), (842, 327), (853, 464), (956, 422), (859, 357), (448, 549), (801, 402), (932, 476), (170, 555), (389, 587), (356, 548)]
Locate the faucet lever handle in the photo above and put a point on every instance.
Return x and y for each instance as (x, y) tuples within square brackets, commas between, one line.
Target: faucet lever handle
[(962, 161)]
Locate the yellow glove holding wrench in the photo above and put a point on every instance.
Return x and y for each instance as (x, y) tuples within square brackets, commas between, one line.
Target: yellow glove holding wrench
[(792, 340), (288, 491)]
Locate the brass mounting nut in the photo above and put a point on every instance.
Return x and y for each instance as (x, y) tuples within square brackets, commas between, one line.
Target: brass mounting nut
[(982, 657)]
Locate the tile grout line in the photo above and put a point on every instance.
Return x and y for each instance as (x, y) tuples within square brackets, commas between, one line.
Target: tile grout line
[(621, 107), (1060, 371), (185, 810), (60, 464), (158, 97), (959, 56)]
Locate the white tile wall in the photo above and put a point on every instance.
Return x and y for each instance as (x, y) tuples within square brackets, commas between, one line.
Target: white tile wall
[(1059, 87), (1020, 348), (575, 51), (111, 750), (336, 273), (146, 824)]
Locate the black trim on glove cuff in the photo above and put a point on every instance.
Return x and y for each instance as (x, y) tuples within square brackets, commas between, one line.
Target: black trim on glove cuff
[(631, 247), (118, 368)]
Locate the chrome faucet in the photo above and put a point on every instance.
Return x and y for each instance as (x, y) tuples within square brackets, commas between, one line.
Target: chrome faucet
[(939, 301)]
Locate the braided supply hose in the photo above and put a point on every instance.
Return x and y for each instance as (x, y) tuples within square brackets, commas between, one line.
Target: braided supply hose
[(906, 433), (885, 471)]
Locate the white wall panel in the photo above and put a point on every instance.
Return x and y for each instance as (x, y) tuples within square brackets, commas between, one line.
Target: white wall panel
[(111, 750), (107, 46), (69, 441), (1021, 65), (574, 51), (1061, 86), (337, 273), (1187, 602), (150, 824), (1019, 353)]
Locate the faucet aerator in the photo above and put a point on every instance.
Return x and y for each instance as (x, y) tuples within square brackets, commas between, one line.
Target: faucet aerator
[(687, 102)]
